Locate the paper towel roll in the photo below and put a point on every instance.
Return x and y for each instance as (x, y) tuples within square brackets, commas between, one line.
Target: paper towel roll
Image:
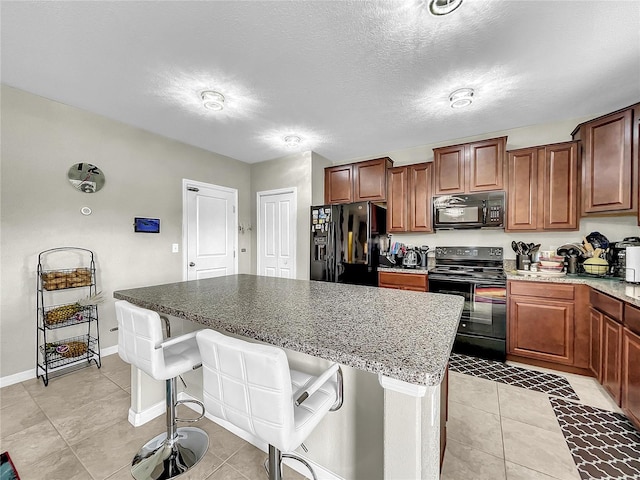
[(632, 264)]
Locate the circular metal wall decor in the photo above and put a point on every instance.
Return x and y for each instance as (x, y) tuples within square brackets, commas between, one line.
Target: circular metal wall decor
[(86, 177)]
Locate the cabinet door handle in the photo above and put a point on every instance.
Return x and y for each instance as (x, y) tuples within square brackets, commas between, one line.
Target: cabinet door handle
[(191, 264)]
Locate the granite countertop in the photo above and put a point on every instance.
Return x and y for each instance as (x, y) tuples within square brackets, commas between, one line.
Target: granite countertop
[(404, 335), (419, 270), (615, 287)]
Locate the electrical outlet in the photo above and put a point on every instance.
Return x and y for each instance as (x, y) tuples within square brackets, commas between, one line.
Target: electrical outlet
[(175, 248)]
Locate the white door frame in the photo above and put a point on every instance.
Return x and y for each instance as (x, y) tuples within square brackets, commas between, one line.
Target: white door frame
[(294, 229), (195, 183)]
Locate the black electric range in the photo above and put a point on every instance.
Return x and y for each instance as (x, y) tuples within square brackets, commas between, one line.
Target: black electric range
[(477, 274)]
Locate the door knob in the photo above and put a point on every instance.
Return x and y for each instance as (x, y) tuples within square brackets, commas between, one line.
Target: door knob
[(191, 264)]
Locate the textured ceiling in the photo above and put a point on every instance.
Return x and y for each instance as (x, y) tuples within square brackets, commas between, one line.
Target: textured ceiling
[(353, 78)]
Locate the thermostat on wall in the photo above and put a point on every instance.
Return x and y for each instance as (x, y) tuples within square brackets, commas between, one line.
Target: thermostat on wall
[(146, 225)]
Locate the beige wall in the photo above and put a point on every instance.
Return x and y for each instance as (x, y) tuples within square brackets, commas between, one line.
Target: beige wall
[(41, 139), (318, 164)]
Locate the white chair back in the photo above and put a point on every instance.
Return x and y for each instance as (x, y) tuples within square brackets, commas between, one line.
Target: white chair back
[(139, 332), (248, 385)]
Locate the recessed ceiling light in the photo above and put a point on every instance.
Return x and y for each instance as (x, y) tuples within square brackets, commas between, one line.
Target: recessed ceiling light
[(292, 141), (443, 7), (461, 98), (212, 100)]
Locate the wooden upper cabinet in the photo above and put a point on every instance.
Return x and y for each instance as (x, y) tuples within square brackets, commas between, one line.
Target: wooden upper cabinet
[(420, 191), (607, 164), (560, 187), (522, 188), (397, 193), (409, 198), (543, 188), (485, 165), (449, 163), (470, 167), (338, 184), (370, 180), (357, 182)]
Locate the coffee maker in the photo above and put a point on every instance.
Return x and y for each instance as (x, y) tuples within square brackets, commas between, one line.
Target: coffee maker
[(617, 256)]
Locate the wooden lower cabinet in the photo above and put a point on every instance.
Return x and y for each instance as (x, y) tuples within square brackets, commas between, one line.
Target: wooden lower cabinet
[(416, 282), (611, 357), (541, 328), (595, 343), (548, 324), (631, 374)]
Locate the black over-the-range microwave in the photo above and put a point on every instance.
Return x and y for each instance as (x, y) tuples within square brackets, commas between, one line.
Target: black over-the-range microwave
[(469, 210)]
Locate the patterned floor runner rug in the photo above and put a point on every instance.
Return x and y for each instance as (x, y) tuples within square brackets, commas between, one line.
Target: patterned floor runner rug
[(520, 377), (604, 445)]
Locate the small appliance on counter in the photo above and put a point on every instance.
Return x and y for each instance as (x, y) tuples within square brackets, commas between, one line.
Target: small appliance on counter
[(412, 258), (617, 255), (632, 264), (423, 251)]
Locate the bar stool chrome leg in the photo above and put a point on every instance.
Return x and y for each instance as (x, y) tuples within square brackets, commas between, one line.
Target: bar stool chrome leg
[(273, 463), (173, 452)]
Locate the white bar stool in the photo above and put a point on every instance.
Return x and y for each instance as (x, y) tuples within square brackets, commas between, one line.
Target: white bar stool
[(141, 344), (251, 386)]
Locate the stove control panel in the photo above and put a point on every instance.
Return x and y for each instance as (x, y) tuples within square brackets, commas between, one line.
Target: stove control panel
[(472, 253)]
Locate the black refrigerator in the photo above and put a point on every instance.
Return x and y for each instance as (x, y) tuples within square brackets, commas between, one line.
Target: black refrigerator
[(345, 242)]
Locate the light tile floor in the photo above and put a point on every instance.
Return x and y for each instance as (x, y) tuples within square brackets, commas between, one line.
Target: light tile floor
[(77, 429)]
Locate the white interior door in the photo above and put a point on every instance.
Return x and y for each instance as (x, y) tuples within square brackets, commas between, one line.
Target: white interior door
[(277, 233), (210, 229)]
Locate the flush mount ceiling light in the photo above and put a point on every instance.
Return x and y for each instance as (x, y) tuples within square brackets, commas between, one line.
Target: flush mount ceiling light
[(461, 98), (212, 100), (292, 141), (443, 7)]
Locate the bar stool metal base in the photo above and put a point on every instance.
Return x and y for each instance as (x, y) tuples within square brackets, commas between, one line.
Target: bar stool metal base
[(161, 458), (273, 463)]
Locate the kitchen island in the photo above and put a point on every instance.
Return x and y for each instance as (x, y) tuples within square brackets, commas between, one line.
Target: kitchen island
[(405, 338)]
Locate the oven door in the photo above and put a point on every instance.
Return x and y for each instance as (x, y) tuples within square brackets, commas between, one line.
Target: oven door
[(485, 303)]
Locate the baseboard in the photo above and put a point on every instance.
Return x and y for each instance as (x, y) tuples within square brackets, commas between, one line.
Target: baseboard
[(17, 378), (105, 352), (29, 374), (138, 419)]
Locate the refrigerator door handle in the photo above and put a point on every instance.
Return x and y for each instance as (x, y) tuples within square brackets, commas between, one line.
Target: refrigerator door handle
[(330, 253)]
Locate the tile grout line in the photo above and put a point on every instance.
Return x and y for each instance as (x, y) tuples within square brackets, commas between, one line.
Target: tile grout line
[(504, 453)]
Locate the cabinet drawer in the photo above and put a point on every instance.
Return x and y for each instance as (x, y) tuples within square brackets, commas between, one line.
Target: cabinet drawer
[(409, 280), (632, 318), (610, 306), (545, 290)]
